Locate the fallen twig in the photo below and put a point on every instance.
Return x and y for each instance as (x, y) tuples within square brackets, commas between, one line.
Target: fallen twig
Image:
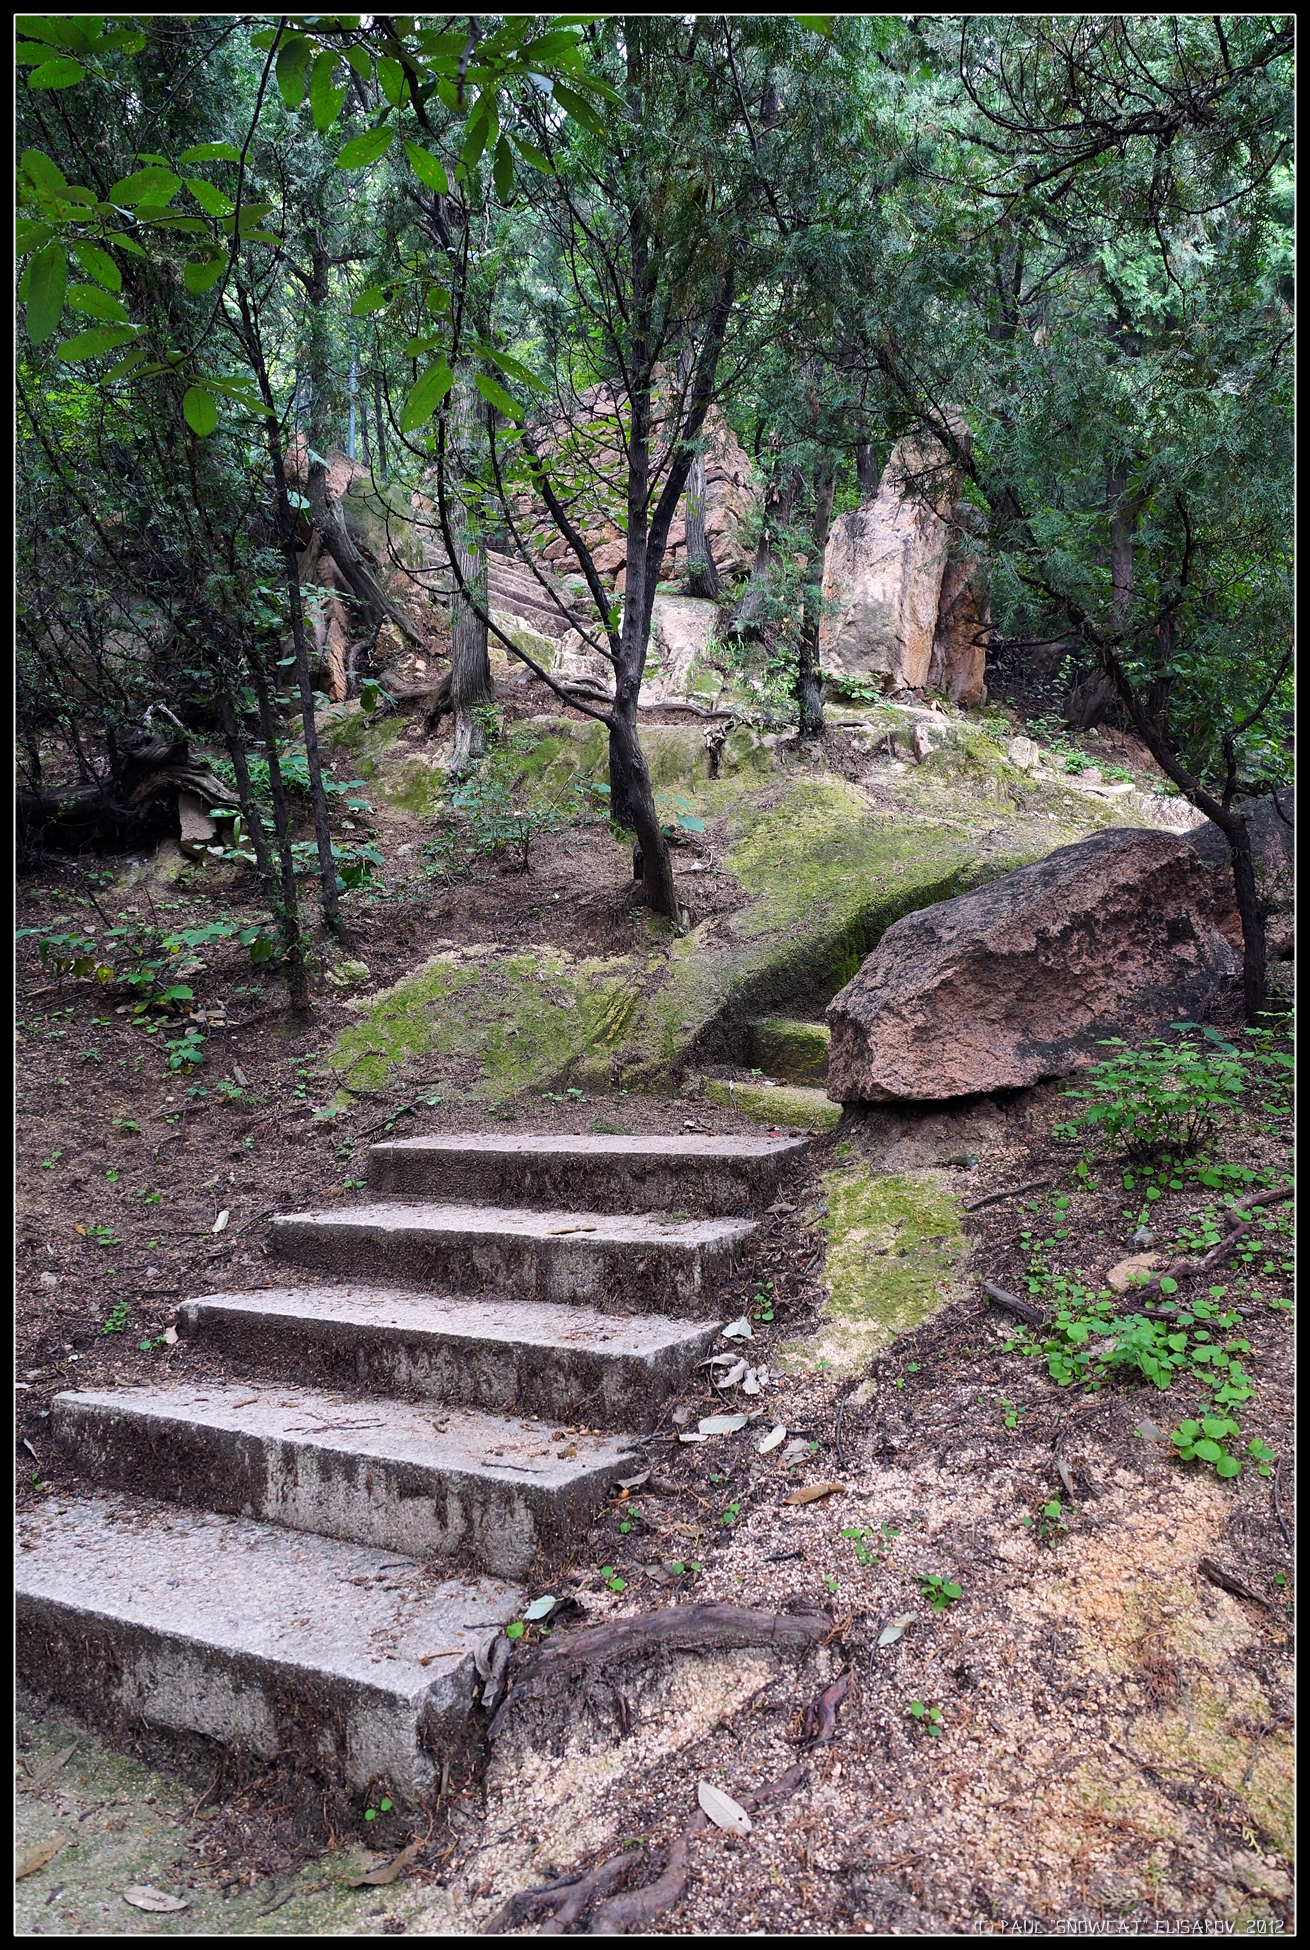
[(1022, 1308), (1211, 1568), (994, 1198), (1278, 1512), (635, 1909), (1239, 1226)]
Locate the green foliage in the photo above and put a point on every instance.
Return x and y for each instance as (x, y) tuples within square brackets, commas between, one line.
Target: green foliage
[(1203, 1442), (116, 1319), (929, 1718), (1166, 1100), (938, 1590), (1048, 1525)]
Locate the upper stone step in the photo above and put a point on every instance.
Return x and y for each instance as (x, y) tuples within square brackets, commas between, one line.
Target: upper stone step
[(274, 1640), (720, 1175), (567, 1363), (616, 1262), (394, 1475)]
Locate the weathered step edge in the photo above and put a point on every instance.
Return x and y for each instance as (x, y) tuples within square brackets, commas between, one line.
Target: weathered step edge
[(724, 1177), (127, 1666), (526, 1357), (614, 1264), (366, 1491)]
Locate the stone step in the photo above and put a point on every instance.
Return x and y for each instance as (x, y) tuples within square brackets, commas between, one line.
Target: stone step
[(615, 1262), (780, 1107), (271, 1640), (396, 1476), (569, 1364), (715, 1175), (790, 1052)]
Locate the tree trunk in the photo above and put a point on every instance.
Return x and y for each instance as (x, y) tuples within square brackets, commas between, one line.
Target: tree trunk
[(471, 688), (867, 471), (809, 690), (750, 617), (630, 781), (286, 526), (702, 572), (288, 908)]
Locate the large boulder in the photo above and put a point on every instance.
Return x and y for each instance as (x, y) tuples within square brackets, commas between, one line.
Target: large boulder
[(680, 630), (1021, 979), (882, 573)]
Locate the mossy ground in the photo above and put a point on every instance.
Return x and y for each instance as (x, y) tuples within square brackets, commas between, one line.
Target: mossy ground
[(824, 875), (790, 1052), (894, 1248)]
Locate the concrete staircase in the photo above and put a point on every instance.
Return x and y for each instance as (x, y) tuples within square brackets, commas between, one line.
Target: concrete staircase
[(261, 1562)]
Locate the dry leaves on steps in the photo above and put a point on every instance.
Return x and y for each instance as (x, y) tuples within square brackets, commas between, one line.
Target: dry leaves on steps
[(29, 1860), (812, 1492), (142, 1896), (387, 1871)]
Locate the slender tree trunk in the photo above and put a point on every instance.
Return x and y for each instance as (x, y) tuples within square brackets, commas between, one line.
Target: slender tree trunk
[(471, 687), (288, 907), (381, 457), (809, 690), (286, 525), (702, 571), (750, 617)]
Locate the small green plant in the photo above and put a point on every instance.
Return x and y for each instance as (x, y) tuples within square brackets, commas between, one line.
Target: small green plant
[(384, 1807), (762, 1303), (187, 1051), (1203, 1442), (938, 1590), (516, 1629), (48, 1164), (116, 1319), (730, 1515), (103, 1235), (1165, 1100), (830, 1581), (867, 1545), (680, 1568), (611, 1578), (928, 1717), (1048, 1525), (1012, 1414)]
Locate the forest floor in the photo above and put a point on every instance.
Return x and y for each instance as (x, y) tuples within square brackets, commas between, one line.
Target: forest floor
[(1113, 1748)]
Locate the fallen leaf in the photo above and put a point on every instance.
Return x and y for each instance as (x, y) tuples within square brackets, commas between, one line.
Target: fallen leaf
[(29, 1860), (220, 1222), (238, 1077), (1062, 1469), (771, 1440), (142, 1896), (892, 1630), (720, 1424), (739, 1329), (1149, 1430), (170, 1337), (634, 1482), (737, 1372), (692, 1437), (389, 1871), (538, 1609), (722, 1810), (812, 1492)]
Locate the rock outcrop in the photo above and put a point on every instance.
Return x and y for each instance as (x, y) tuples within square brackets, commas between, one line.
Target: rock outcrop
[(1020, 980), (959, 652), (883, 571)]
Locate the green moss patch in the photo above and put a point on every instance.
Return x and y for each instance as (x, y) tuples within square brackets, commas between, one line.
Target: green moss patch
[(779, 1106), (504, 1023), (796, 1052), (894, 1248)]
